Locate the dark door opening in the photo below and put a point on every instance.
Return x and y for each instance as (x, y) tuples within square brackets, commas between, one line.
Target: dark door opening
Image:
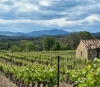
[(98, 53)]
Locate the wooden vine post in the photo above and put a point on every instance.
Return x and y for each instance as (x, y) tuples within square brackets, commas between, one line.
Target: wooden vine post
[(58, 69)]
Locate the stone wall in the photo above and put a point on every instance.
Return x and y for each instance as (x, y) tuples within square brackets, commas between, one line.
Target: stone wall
[(81, 51), (92, 53)]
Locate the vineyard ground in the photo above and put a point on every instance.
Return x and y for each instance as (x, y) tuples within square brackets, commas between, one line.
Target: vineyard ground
[(5, 82)]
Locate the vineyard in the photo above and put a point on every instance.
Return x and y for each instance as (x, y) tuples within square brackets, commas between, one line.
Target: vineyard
[(30, 69)]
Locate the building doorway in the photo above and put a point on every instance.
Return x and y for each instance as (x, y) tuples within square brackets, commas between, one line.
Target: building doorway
[(98, 53)]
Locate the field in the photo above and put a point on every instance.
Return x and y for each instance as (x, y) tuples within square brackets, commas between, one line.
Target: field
[(31, 69)]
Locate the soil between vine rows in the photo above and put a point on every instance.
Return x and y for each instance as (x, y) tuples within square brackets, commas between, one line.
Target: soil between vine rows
[(5, 82)]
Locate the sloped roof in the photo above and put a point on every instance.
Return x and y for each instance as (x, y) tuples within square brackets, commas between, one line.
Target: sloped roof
[(91, 44)]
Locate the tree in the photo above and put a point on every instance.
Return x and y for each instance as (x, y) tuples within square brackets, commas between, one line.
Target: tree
[(85, 35), (1, 45), (38, 47), (48, 42), (73, 40), (26, 45), (29, 46), (23, 44), (68, 46), (56, 46), (13, 48), (6, 46)]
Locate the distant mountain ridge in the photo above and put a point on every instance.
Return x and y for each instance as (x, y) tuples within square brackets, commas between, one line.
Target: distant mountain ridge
[(52, 32), (35, 33)]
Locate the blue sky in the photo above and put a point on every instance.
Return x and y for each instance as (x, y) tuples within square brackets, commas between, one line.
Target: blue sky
[(36, 15)]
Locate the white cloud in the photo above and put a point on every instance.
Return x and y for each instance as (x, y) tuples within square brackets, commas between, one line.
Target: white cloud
[(4, 0), (18, 6), (60, 22), (44, 3), (9, 22), (25, 7), (63, 22), (4, 8), (93, 18)]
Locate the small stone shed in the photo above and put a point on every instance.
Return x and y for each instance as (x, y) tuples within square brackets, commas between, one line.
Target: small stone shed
[(88, 49)]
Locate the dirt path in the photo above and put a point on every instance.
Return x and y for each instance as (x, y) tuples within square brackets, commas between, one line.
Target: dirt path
[(5, 82), (63, 84)]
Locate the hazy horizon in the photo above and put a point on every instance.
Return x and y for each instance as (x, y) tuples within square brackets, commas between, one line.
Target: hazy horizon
[(48, 30)]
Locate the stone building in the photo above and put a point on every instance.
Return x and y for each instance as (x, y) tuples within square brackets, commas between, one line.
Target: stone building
[(88, 49)]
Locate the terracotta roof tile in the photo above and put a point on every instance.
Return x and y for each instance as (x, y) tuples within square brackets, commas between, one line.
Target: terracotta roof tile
[(92, 44)]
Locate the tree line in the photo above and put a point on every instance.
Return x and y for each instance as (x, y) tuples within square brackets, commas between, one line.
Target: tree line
[(54, 43)]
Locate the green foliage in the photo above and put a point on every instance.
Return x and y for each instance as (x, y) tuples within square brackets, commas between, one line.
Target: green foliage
[(6, 46), (38, 48), (89, 76), (31, 74), (85, 35), (23, 44), (29, 46), (1, 45), (48, 42), (26, 45), (34, 69), (13, 48), (56, 46)]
